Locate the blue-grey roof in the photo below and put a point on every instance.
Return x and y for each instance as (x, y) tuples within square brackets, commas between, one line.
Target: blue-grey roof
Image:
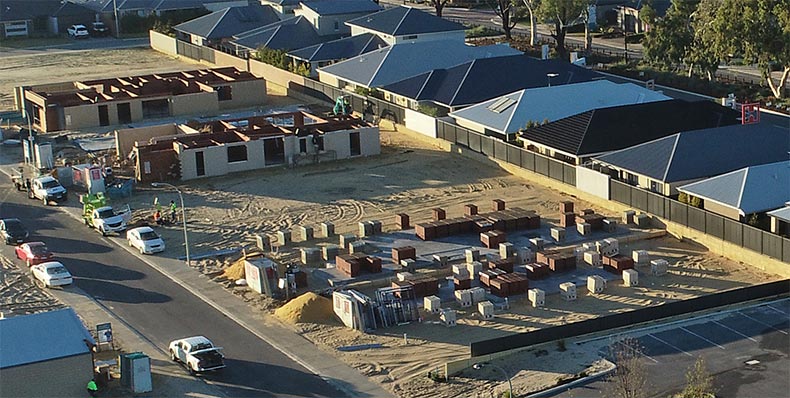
[(147, 5), (290, 34), (752, 189), (340, 49), (22, 10), (692, 155), (397, 62), (40, 337), (782, 214), (482, 79), (336, 7), (399, 21), (230, 21), (554, 103)]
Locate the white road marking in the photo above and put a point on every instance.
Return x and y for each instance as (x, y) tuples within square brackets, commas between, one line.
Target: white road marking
[(777, 310), (689, 331), (670, 345), (763, 323), (733, 330)]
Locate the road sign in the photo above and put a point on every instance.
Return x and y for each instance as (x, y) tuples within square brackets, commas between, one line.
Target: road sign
[(750, 113), (104, 333)]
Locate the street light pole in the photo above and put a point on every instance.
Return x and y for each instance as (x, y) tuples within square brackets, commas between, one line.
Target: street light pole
[(481, 365), (117, 22), (183, 213)]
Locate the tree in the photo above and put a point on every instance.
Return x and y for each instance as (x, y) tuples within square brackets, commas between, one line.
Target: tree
[(758, 31), (438, 5), (506, 11), (272, 57), (561, 13), (699, 383), (532, 8), (629, 379), (668, 43)]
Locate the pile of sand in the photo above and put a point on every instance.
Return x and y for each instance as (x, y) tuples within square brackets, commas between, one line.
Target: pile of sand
[(236, 270), (307, 308)]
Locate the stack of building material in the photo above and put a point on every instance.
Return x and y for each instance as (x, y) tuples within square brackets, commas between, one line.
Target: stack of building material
[(378, 227), (310, 255), (474, 269), (463, 298), (357, 247), (608, 247), (537, 271), (593, 258), (537, 297), (583, 228), (438, 214), (630, 278), (642, 220), (349, 264), (403, 252), (596, 284), (617, 264), (470, 210), (441, 259), (566, 207), (305, 232), (424, 286), (486, 309), (558, 234), (561, 262), (629, 216), (478, 294), (404, 276), (640, 256), (492, 239), (462, 279), (567, 219), (284, 237), (329, 252), (503, 264), (525, 255), (365, 229), (448, 317), (372, 264), (425, 231), (568, 291), (659, 267), (587, 212), (472, 255), (609, 225), (327, 229), (263, 242), (346, 239), (300, 279), (402, 221), (480, 224), (506, 250), (507, 285), (537, 244), (488, 275), (432, 304), (595, 220), (497, 205), (578, 251), (408, 265)]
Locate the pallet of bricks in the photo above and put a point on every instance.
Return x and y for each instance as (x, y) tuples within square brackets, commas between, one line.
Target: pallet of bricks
[(537, 271), (513, 219), (490, 274), (422, 287), (443, 228), (503, 220), (509, 284), (617, 264), (589, 217), (556, 261), (353, 264)]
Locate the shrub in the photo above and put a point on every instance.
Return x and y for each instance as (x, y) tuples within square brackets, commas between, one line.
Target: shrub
[(428, 110)]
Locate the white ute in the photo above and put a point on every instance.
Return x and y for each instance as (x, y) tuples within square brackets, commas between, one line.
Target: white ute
[(197, 353), (47, 189), (106, 220)]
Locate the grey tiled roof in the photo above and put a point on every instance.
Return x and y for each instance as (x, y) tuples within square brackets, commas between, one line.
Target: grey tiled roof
[(399, 21), (347, 47), (290, 34), (782, 214), (695, 154), (42, 336), (229, 21), (335, 7), (751, 190)]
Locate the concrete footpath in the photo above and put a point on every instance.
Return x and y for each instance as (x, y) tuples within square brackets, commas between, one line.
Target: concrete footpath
[(341, 376)]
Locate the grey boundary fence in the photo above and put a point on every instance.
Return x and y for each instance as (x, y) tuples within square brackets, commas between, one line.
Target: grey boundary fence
[(729, 230), (642, 315), (198, 53)]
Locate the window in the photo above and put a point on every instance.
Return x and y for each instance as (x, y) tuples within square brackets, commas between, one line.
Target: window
[(356, 148), (303, 145), (147, 167), (318, 142), (237, 153), (655, 186), (224, 93), (200, 166), (337, 25), (411, 37)]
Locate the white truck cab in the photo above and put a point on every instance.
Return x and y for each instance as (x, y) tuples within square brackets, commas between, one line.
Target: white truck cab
[(106, 220), (47, 189), (197, 353)]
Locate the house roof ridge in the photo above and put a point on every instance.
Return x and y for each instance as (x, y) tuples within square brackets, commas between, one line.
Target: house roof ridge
[(403, 18), (671, 156), (515, 108), (463, 79)]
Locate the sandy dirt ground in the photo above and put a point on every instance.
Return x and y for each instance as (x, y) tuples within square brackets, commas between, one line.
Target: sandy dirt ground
[(82, 65), (18, 293)]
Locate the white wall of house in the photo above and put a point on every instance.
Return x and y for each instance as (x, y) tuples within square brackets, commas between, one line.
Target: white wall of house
[(458, 35), (328, 25), (196, 40)]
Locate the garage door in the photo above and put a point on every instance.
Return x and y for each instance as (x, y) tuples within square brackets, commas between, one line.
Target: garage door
[(15, 29)]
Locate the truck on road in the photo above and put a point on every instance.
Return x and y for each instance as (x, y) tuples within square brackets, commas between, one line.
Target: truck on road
[(96, 213), (47, 189), (197, 353)]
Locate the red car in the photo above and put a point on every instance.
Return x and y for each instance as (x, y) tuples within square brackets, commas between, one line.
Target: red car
[(33, 253)]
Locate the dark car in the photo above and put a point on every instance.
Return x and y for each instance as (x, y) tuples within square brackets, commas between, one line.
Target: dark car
[(12, 231), (99, 29)]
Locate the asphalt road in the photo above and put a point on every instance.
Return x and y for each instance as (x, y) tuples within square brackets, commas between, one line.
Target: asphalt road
[(156, 307)]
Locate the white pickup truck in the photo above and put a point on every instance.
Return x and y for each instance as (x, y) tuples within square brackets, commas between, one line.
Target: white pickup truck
[(105, 220), (197, 353), (47, 189)]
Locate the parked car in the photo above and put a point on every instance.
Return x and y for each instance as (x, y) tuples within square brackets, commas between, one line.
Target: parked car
[(12, 231), (197, 353), (51, 274), (33, 253), (47, 189), (145, 239), (99, 29), (78, 31), (105, 220)]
